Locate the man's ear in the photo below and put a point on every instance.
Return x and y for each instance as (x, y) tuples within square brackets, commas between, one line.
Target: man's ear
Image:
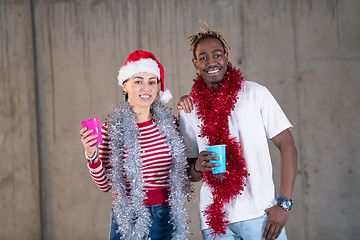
[(195, 63)]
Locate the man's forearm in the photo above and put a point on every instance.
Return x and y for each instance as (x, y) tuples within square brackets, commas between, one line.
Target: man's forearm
[(195, 175), (285, 143), (288, 171)]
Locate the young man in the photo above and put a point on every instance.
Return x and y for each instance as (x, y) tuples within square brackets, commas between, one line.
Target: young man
[(240, 203)]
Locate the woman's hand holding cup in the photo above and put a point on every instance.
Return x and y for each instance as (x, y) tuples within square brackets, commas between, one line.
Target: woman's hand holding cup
[(88, 141)]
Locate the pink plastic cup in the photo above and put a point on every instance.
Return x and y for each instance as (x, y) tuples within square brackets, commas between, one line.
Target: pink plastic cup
[(95, 125)]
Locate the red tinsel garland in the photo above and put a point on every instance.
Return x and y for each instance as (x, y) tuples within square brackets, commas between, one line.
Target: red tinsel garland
[(214, 109)]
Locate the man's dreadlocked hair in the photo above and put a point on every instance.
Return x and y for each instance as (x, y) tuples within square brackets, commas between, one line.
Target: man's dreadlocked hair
[(204, 34)]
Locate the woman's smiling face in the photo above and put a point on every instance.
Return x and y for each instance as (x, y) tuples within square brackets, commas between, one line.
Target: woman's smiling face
[(142, 89)]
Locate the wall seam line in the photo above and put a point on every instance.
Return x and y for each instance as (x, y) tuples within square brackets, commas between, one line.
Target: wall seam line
[(37, 114), (298, 110)]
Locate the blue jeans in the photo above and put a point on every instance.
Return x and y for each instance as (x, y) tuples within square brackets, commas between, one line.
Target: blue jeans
[(252, 229), (161, 228)]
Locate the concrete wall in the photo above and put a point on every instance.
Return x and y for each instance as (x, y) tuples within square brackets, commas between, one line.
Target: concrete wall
[(58, 65), (19, 178)]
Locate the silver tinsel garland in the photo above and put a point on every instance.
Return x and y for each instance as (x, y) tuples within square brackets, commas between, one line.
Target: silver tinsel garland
[(131, 214)]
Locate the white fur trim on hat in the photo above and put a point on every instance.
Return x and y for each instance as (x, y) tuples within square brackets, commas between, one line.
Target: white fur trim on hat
[(143, 65), (165, 96)]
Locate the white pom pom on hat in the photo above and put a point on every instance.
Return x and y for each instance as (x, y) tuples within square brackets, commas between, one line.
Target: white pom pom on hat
[(143, 61)]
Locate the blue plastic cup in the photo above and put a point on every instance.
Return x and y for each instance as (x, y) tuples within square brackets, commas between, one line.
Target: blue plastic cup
[(220, 152)]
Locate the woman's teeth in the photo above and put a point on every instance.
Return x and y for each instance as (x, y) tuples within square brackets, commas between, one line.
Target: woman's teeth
[(145, 96)]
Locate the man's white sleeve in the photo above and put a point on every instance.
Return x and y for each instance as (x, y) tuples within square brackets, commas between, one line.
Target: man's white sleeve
[(189, 135), (274, 119)]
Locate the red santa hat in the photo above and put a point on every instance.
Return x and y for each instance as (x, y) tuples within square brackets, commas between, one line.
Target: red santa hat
[(143, 61)]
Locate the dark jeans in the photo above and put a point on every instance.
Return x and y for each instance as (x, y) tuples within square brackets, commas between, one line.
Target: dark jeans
[(161, 228)]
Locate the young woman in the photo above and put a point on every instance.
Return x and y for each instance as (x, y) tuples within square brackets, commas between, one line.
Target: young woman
[(142, 158)]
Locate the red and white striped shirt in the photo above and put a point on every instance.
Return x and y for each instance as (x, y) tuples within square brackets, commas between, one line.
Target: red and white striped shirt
[(155, 166)]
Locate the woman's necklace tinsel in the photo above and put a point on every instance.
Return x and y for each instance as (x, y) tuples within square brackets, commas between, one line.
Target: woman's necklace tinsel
[(131, 214), (214, 109)]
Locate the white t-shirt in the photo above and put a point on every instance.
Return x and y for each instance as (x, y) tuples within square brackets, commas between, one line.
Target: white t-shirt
[(256, 117)]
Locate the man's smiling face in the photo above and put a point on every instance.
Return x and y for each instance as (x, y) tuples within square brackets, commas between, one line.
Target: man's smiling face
[(211, 61)]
